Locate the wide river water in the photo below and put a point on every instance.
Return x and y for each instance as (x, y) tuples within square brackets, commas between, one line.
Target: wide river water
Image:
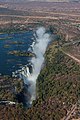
[(14, 42)]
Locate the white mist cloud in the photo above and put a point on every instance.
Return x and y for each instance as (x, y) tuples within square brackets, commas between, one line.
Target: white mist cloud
[(39, 48)]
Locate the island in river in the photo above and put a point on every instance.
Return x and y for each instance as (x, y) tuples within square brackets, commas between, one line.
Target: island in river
[(15, 51)]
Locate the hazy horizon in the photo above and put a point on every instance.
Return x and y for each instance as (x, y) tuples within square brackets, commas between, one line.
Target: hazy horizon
[(14, 1)]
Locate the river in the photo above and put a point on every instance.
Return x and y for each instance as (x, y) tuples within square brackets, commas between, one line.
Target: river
[(19, 41)]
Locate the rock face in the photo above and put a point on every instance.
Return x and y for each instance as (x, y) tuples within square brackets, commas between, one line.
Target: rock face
[(24, 96), (8, 87)]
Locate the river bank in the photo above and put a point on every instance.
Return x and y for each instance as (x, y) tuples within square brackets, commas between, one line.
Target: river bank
[(57, 88), (14, 51), (57, 85)]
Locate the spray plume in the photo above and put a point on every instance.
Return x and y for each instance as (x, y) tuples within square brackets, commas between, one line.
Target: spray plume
[(39, 47)]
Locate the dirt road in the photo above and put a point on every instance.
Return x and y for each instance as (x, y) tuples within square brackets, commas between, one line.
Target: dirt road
[(69, 114), (71, 56)]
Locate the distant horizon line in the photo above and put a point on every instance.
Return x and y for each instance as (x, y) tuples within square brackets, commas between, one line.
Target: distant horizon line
[(40, 1)]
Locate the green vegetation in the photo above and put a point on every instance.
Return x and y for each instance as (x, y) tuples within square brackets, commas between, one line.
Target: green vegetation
[(5, 38), (6, 46), (58, 88), (7, 87), (21, 53)]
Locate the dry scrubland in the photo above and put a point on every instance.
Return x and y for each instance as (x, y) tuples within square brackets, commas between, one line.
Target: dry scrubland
[(58, 85)]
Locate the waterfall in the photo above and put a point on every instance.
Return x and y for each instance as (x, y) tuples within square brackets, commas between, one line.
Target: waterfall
[(38, 48)]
